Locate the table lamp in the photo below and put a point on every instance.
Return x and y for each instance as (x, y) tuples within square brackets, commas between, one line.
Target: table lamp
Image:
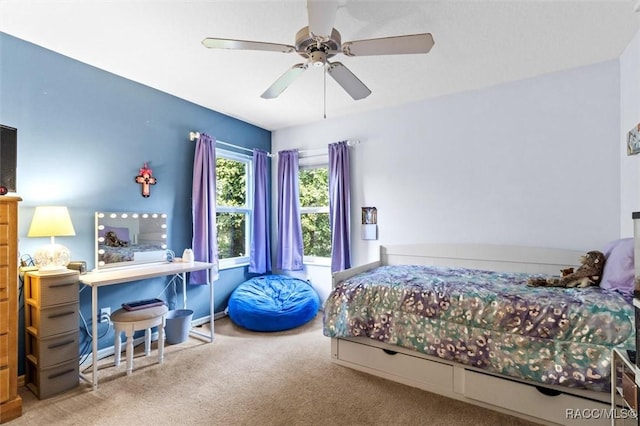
[(51, 221)]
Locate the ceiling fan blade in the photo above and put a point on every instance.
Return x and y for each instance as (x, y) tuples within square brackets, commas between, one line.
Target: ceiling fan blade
[(222, 43), (349, 82), (284, 81), (322, 16), (416, 43)]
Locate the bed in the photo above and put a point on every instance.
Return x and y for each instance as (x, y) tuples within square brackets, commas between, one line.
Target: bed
[(465, 325)]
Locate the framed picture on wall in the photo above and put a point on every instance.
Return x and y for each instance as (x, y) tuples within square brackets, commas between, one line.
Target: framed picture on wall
[(633, 140), (369, 215)]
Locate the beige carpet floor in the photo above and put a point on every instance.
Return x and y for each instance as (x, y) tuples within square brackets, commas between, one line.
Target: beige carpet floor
[(248, 378)]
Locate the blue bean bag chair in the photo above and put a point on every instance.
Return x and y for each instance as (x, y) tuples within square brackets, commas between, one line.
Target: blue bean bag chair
[(273, 303)]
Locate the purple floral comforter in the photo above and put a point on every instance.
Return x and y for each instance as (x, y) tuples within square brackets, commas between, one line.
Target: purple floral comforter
[(488, 320)]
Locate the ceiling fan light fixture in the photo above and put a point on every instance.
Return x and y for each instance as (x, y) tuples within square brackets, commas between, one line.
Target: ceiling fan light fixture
[(318, 58)]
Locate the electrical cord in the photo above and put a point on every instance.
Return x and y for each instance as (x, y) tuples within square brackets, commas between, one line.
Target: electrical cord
[(26, 261), (86, 346), (175, 293)]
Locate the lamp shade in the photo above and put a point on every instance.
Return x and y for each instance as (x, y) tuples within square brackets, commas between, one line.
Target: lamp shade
[(51, 221)]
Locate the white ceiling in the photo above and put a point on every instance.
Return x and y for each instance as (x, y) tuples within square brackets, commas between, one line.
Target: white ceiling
[(477, 44)]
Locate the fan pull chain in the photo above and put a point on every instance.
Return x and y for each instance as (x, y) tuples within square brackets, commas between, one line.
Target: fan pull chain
[(324, 102)]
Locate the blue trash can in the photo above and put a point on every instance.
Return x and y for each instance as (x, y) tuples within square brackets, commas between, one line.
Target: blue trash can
[(178, 325)]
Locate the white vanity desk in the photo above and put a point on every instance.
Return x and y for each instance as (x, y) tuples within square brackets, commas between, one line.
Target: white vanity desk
[(124, 275)]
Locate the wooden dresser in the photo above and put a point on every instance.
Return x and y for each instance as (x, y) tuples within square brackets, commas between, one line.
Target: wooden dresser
[(10, 401)]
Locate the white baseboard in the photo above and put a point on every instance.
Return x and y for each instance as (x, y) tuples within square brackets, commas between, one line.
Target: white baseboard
[(206, 319)]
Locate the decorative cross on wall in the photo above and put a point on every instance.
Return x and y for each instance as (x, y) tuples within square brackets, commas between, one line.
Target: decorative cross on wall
[(145, 179)]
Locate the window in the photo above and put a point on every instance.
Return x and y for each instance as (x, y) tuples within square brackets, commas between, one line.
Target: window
[(233, 207), (314, 210)]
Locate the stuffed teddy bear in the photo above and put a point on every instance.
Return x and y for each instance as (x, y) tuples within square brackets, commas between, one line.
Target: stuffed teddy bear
[(589, 273), (565, 272)]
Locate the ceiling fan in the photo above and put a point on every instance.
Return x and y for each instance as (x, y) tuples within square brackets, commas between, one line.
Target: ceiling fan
[(320, 41)]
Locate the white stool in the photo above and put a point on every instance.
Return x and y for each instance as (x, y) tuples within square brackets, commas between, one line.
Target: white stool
[(132, 321)]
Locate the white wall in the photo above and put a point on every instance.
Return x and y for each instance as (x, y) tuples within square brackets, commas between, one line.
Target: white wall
[(629, 117), (532, 162)]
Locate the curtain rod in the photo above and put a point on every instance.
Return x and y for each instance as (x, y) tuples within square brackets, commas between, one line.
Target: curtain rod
[(306, 151), (195, 135)]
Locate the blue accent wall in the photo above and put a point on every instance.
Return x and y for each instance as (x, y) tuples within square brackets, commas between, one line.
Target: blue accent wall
[(83, 134)]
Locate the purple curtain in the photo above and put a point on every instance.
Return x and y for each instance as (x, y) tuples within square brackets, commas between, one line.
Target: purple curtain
[(339, 206), (260, 256), (205, 245), (289, 250)]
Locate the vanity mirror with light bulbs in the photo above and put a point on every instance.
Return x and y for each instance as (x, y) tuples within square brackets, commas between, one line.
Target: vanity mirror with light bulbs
[(129, 239)]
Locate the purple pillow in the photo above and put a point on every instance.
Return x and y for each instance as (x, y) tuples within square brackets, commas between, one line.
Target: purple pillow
[(121, 233), (619, 271)]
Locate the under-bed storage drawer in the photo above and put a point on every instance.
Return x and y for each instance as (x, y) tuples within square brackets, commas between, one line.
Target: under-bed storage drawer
[(407, 369), (563, 408)]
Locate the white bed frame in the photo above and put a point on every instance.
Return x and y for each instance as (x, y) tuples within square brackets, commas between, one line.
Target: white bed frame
[(458, 381)]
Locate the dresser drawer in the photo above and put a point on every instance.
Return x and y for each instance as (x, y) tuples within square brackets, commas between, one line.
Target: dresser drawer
[(4, 384), (47, 291), (46, 382), (4, 255), (51, 321), (4, 282), (4, 350), (4, 316), (49, 351), (4, 233), (4, 212)]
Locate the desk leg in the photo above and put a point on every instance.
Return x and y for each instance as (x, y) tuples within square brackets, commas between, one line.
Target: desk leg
[(184, 290), (211, 307), (94, 335), (209, 336)]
